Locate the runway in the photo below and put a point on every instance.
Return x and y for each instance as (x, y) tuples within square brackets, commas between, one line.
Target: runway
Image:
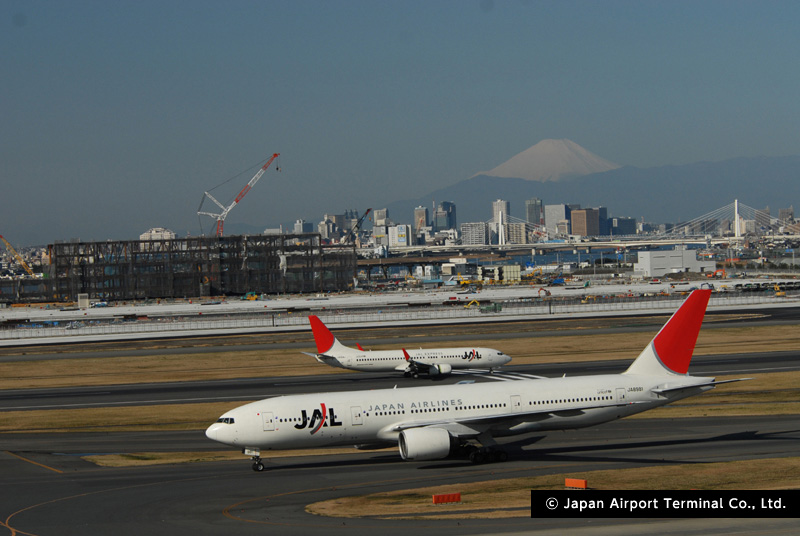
[(263, 387), (64, 495), (49, 490)]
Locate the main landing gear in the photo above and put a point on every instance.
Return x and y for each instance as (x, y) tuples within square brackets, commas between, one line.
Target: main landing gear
[(411, 371), (479, 455), (488, 455), (489, 452)]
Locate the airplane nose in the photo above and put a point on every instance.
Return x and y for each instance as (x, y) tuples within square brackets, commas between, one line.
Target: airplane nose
[(211, 432)]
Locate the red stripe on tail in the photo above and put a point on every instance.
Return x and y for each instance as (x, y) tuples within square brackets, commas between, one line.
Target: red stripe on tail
[(675, 342)]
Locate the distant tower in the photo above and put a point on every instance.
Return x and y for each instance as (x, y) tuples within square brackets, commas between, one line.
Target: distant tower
[(500, 213), (420, 218), (445, 216), (533, 211)]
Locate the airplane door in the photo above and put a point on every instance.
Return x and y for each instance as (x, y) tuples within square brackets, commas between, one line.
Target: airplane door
[(357, 417), (269, 421), (516, 403), (620, 394)]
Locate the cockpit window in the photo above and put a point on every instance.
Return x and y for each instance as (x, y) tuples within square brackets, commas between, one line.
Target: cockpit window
[(226, 420)]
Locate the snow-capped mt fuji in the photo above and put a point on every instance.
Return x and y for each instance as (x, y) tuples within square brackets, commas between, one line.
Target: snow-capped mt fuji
[(551, 160)]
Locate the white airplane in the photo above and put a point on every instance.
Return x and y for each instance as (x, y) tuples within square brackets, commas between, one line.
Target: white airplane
[(435, 362), (433, 422)]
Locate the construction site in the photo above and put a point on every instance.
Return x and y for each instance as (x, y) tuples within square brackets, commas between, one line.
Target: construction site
[(188, 267), (205, 266)]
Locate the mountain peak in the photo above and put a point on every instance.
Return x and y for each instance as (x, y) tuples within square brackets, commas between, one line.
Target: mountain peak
[(551, 160)]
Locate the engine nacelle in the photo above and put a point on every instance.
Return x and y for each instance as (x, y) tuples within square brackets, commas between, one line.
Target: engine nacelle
[(424, 443), (440, 368)]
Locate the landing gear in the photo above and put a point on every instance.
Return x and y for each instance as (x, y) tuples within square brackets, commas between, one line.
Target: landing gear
[(411, 372), (478, 455), (255, 455), (488, 455)]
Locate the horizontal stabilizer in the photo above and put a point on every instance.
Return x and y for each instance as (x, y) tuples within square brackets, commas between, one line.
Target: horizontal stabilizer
[(707, 384)]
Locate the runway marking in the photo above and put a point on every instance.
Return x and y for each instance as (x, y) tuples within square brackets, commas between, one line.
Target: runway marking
[(14, 531), (33, 462)]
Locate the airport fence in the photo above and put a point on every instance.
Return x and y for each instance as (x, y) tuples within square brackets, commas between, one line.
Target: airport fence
[(389, 316)]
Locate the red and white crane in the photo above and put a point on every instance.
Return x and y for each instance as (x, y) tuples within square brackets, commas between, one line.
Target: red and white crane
[(220, 217)]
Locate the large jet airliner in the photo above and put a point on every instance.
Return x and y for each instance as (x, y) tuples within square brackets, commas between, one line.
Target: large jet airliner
[(433, 422), (433, 362)]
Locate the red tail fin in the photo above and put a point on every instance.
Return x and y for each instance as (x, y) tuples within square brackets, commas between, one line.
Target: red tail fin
[(675, 342), (322, 335), (670, 351)]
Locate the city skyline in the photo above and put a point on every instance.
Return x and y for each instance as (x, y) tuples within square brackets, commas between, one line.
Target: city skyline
[(119, 116)]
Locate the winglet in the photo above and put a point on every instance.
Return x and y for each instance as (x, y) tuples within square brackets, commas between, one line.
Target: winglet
[(322, 335), (671, 349), (405, 354), (359, 347)]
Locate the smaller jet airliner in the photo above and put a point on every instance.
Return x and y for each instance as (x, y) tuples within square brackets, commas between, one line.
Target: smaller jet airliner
[(433, 422), (434, 362)]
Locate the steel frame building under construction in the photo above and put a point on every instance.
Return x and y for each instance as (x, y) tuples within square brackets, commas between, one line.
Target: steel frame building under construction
[(199, 266)]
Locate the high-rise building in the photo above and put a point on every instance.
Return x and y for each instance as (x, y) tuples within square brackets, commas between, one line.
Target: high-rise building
[(604, 221), (475, 234), (302, 226), (381, 216), (445, 216), (420, 218), (500, 211), (786, 214), (585, 222), (516, 233), (626, 226), (553, 214), (534, 212), (400, 236)]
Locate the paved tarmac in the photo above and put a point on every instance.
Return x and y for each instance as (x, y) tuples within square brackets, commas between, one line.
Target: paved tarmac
[(246, 389), (49, 490)]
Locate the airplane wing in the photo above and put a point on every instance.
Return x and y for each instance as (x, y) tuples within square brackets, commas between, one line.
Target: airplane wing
[(422, 368)]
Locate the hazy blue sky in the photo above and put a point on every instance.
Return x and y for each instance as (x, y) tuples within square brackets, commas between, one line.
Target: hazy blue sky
[(116, 116)]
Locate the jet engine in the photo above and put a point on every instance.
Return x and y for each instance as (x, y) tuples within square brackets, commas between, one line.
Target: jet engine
[(440, 368), (424, 443)]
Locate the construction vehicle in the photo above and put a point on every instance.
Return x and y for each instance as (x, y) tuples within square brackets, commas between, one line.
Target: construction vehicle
[(778, 292), (220, 217), (19, 258), (717, 273)]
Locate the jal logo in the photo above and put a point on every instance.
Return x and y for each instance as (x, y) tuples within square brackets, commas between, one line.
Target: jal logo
[(319, 418), (469, 356)]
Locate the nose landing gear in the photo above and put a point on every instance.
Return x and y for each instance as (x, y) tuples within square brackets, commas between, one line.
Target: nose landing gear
[(255, 455)]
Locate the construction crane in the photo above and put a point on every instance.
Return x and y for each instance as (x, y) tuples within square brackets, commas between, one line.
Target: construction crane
[(220, 217), (18, 256), (353, 232)]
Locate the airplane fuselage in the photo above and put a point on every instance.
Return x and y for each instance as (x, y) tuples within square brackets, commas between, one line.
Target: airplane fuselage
[(392, 360), (502, 409)]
